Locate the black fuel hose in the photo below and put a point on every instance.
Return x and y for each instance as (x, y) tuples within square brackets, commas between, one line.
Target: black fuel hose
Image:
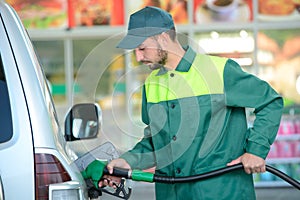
[(138, 175)]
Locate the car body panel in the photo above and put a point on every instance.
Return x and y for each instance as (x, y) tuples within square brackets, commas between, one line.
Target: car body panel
[(17, 152), (35, 124)]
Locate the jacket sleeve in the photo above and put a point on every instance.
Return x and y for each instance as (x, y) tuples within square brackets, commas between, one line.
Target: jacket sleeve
[(245, 90), (141, 156)]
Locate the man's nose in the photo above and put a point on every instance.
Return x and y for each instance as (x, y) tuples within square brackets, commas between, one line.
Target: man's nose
[(139, 55)]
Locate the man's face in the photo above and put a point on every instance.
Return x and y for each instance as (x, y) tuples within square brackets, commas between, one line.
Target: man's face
[(151, 54)]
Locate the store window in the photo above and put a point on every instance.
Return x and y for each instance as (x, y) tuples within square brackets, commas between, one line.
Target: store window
[(237, 45), (51, 54), (98, 70), (279, 61), (278, 57)]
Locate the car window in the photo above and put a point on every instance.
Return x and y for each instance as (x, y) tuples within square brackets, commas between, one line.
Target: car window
[(5, 111)]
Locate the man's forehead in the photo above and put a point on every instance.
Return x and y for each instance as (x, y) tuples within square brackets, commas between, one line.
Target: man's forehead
[(148, 41)]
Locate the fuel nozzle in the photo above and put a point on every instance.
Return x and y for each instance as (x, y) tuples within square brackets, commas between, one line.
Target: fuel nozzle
[(96, 169)]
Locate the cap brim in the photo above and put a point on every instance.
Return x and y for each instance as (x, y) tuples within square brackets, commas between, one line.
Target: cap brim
[(131, 42)]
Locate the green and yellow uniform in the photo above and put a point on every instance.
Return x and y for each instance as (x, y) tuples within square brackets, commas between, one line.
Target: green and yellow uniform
[(196, 122)]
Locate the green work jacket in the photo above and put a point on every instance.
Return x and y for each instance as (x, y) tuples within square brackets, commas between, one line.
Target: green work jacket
[(196, 122)]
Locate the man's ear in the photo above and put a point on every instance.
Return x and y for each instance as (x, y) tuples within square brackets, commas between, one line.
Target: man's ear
[(165, 37), (164, 40)]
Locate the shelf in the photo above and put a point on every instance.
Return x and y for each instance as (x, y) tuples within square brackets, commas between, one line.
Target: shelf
[(283, 160), (76, 33), (280, 25), (291, 137), (246, 25), (264, 184), (107, 31)]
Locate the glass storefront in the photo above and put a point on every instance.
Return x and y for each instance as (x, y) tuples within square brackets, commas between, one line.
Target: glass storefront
[(83, 65)]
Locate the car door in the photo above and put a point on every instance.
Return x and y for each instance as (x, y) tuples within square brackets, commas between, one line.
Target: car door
[(16, 142)]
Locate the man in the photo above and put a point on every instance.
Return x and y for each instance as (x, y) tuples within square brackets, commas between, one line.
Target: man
[(194, 109)]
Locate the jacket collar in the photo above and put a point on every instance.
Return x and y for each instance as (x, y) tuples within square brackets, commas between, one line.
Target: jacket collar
[(184, 64)]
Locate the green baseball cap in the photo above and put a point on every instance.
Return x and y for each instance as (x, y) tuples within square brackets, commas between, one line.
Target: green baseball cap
[(145, 23)]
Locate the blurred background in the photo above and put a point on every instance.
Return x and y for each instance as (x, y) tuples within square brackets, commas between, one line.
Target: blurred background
[(75, 41)]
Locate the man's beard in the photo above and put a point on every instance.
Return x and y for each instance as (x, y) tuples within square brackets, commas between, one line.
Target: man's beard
[(163, 59)]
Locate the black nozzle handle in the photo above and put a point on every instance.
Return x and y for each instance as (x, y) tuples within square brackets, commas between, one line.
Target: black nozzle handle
[(119, 172)]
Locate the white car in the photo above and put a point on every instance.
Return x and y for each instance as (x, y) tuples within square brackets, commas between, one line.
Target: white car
[(34, 161)]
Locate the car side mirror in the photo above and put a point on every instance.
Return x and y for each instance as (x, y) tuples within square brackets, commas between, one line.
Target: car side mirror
[(83, 121)]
